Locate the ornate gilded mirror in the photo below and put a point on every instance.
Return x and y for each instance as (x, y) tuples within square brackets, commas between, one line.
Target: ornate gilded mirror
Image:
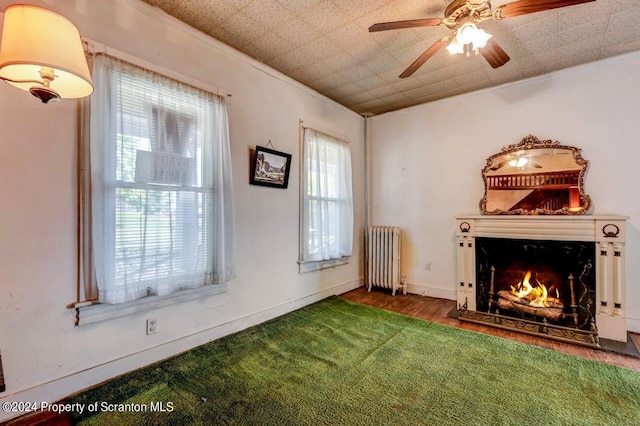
[(535, 177)]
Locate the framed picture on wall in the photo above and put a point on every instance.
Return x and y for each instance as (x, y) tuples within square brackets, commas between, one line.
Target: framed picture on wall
[(270, 168)]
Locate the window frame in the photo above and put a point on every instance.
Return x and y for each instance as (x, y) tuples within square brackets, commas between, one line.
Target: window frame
[(86, 306), (139, 124), (305, 266)]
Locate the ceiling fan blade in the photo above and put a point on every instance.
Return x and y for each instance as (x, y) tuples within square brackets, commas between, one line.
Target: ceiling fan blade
[(524, 7), (494, 54), (424, 57), (413, 23)]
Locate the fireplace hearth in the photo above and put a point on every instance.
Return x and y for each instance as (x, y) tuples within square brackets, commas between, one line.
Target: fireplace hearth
[(558, 277)]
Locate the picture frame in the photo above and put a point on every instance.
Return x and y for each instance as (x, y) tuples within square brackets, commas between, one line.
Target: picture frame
[(270, 167)]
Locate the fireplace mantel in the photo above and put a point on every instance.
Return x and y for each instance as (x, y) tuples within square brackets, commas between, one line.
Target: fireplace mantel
[(608, 232)]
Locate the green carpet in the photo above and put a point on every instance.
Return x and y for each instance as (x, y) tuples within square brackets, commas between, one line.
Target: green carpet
[(342, 363)]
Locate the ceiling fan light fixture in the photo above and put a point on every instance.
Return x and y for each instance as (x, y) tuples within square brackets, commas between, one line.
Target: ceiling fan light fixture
[(481, 39), (518, 162), (455, 47), (468, 33)]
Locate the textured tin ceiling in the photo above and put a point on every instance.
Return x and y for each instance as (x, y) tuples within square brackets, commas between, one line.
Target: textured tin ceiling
[(326, 45)]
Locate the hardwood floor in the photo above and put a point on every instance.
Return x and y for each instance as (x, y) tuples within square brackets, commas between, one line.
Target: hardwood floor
[(436, 310)]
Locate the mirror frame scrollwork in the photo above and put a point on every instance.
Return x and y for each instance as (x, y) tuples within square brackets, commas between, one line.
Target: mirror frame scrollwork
[(528, 145)]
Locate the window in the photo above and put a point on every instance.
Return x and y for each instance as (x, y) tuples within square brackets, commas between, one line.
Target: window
[(161, 215), (327, 201)]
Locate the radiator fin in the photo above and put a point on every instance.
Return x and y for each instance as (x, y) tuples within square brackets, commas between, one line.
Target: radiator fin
[(384, 243)]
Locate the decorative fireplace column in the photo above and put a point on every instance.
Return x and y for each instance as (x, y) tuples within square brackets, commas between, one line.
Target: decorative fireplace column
[(608, 232)]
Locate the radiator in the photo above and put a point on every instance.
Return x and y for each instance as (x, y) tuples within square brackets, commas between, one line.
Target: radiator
[(383, 258)]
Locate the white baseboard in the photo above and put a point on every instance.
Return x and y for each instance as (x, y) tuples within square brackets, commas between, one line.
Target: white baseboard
[(633, 325), (62, 387), (437, 292)]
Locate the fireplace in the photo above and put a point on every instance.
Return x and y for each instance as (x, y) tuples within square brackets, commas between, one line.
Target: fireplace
[(537, 280), (562, 277)]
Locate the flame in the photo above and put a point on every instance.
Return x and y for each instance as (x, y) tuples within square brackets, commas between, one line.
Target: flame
[(537, 296)]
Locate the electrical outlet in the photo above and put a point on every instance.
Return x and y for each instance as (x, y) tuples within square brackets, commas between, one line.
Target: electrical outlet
[(152, 325)]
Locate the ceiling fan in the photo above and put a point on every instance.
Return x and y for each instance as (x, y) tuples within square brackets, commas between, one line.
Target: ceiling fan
[(462, 16), (520, 163)]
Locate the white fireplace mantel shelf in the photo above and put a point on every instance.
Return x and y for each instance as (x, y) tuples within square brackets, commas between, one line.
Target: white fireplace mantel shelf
[(563, 228), (608, 232)]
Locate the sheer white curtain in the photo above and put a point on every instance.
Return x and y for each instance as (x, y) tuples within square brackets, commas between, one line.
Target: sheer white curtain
[(327, 218), (161, 189)]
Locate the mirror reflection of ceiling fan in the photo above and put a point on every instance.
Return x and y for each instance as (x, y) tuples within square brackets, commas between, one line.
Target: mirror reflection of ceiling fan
[(520, 163), (463, 16)]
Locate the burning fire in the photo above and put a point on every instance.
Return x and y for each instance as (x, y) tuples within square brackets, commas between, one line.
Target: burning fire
[(537, 296)]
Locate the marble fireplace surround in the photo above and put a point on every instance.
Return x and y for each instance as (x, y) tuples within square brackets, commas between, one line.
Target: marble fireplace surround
[(608, 232)]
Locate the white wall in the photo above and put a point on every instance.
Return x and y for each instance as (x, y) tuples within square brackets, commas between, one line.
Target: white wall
[(426, 161), (44, 356)]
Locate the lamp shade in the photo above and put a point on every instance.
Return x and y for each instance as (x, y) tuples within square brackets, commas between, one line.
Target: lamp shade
[(455, 47), (481, 39), (466, 33), (33, 38)]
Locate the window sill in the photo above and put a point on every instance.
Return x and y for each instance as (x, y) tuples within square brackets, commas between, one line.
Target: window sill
[(304, 267), (96, 313)]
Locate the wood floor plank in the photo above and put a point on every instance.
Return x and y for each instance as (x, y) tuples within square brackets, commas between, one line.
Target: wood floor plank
[(436, 310)]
